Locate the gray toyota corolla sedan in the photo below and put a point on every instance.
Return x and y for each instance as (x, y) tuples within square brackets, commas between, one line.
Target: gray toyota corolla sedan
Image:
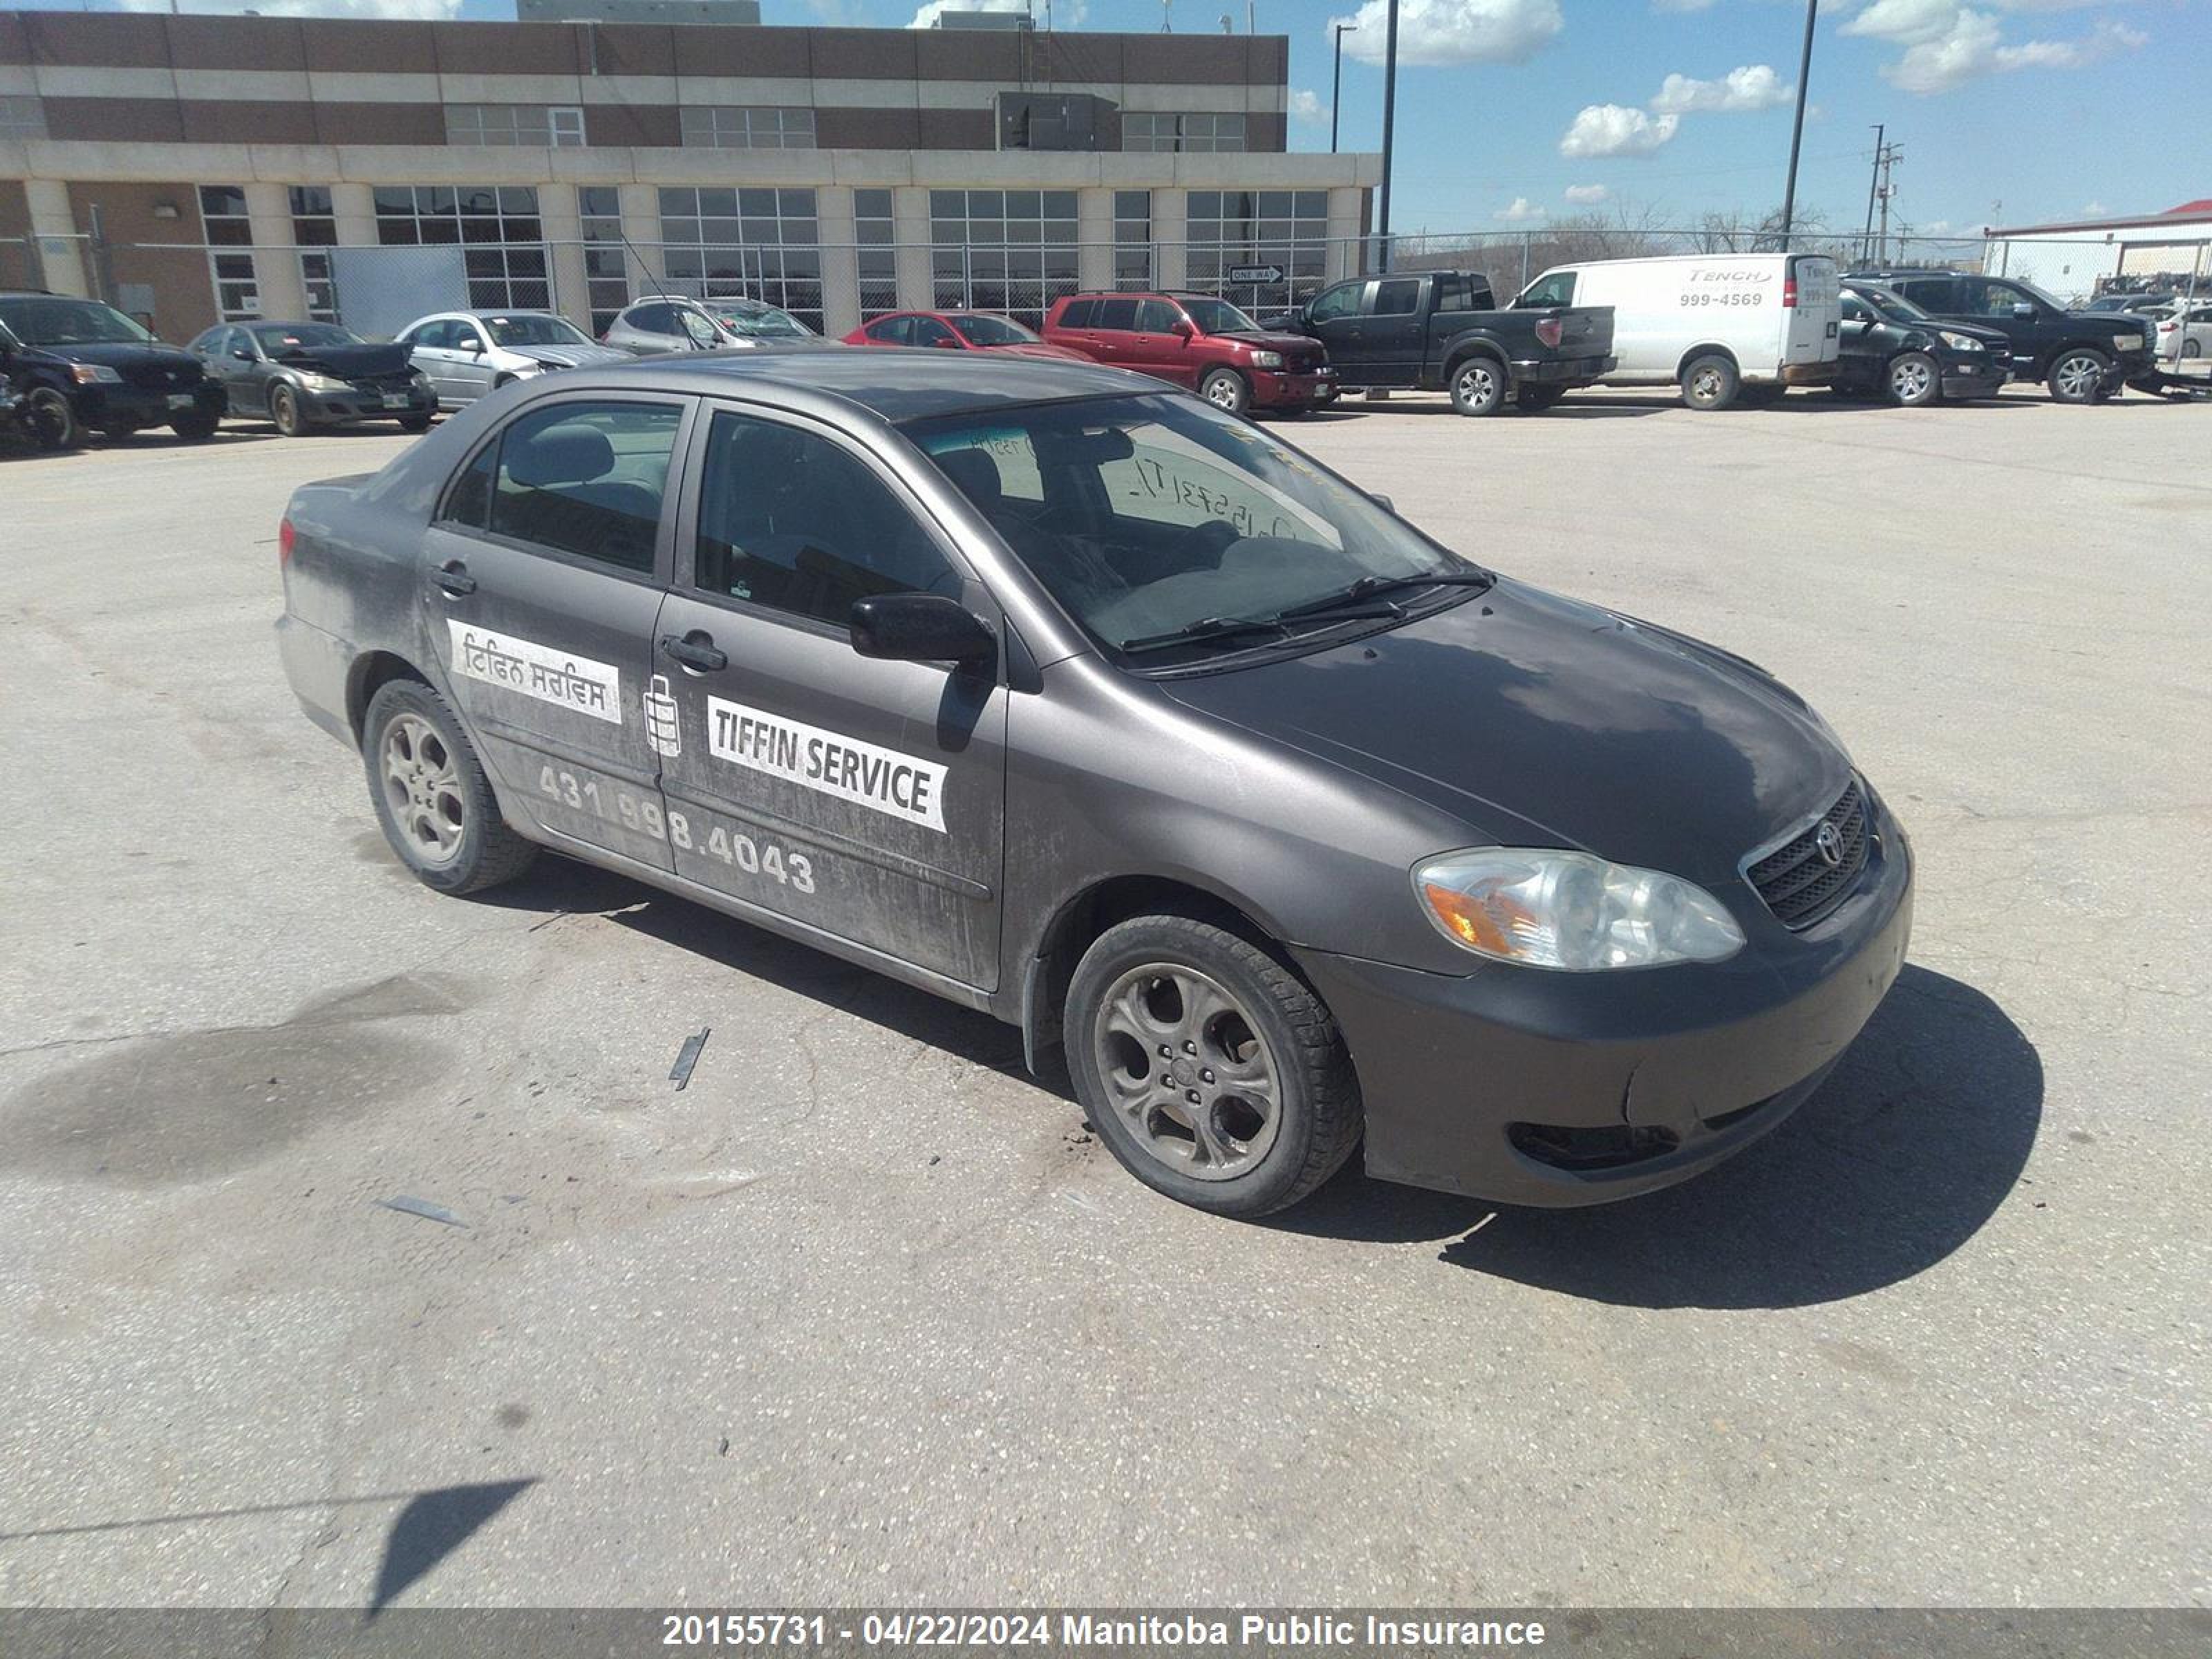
[(1072, 700)]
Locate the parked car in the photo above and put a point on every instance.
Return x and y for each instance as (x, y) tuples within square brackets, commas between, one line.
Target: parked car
[(465, 353), (85, 365), (1058, 693), (2180, 336), (667, 322), (957, 331), (2082, 356), (1727, 328), (304, 375), (39, 416), (1196, 341), (2138, 303), (1893, 348), (1443, 330)]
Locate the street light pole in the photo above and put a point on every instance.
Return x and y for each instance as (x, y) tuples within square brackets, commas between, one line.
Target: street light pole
[(1874, 184), (1798, 128), (1336, 86), (1389, 121)]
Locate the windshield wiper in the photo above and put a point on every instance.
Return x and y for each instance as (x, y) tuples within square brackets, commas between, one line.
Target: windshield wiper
[(1367, 587), (1218, 627)]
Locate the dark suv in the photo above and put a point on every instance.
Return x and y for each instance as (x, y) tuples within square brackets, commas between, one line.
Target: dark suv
[(112, 376), (2082, 356)]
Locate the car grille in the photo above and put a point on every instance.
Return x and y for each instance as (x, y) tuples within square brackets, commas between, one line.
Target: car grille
[(1797, 881), (157, 376)]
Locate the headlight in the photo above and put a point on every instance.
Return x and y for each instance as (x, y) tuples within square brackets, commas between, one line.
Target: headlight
[(94, 373), (419, 381), (2131, 341), (324, 383), (1960, 342), (1266, 360), (1571, 911), (531, 366)]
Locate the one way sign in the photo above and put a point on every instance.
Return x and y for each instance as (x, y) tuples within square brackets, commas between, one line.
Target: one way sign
[(1243, 275)]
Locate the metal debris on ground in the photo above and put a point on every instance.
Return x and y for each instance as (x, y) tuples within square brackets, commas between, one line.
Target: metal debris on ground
[(688, 1056), (422, 1207)]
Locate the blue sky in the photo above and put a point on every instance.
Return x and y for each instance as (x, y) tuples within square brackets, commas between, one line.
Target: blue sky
[(2057, 108)]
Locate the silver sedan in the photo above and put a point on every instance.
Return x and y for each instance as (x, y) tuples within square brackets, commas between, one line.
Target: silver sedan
[(467, 354)]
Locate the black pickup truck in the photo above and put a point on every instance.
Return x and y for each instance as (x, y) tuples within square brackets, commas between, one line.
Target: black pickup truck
[(1436, 331)]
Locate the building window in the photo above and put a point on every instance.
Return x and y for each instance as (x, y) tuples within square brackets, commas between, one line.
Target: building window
[(754, 244), (1189, 132), (315, 226), (1284, 228), (875, 257), (22, 117), (606, 267), (1132, 239), (526, 126), (504, 258), (745, 127), (1002, 250), (227, 227)]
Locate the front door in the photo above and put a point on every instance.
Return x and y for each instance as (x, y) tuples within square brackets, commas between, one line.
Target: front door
[(469, 364), (545, 575), (861, 797), (1337, 320), (1156, 348)]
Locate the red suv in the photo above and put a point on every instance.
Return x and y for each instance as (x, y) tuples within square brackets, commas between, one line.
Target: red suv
[(1197, 341)]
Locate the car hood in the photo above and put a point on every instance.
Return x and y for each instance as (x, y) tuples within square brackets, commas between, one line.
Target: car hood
[(563, 356), (1268, 340), (119, 355), (2114, 322), (349, 362), (1541, 722)]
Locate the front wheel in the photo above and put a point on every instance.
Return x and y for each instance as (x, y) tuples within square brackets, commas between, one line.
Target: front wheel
[(1710, 382), (1478, 386), (291, 420), (433, 799), (1912, 380), (2078, 376), (53, 421), (196, 427), (1211, 1071), (1226, 390), (415, 422)]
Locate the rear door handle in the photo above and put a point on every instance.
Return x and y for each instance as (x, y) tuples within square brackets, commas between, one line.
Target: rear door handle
[(453, 576), (695, 650)]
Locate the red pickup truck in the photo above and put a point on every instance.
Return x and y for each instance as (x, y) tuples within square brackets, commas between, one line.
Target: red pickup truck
[(1197, 341)]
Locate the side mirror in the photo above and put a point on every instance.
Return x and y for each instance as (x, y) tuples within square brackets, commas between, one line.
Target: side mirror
[(244, 353), (1183, 328), (2021, 309), (922, 627), (472, 345), (948, 343)]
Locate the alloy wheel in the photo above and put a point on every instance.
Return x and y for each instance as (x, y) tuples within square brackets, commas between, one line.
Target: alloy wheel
[(1186, 1067), (422, 788)]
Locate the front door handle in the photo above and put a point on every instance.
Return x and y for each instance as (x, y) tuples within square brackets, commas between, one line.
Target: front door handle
[(453, 576), (695, 651)]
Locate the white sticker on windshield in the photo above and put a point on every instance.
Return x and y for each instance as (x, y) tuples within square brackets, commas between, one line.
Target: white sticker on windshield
[(538, 671), (881, 779)]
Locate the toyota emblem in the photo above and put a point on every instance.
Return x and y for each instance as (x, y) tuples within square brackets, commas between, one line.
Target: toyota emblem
[(1828, 842)]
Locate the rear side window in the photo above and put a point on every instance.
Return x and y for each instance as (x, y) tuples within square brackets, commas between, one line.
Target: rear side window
[(580, 477), (1119, 314), (1401, 297), (1077, 313), (1928, 293)]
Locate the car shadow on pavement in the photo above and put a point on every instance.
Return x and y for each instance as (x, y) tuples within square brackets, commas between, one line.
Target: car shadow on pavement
[(1920, 1135)]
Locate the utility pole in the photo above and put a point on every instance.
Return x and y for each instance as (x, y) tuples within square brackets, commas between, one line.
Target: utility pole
[(1874, 184), (1798, 127), (1389, 121), (1336, 86), (1891, 155)]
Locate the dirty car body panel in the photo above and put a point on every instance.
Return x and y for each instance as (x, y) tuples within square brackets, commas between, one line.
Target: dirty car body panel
[(967, 828)]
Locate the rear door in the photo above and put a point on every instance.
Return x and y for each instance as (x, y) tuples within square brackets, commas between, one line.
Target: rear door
[(1113, 325), (1395, 330), (1815, 318), (543, 577), (861, 797)]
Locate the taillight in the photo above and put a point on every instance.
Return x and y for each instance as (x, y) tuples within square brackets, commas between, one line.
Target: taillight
[(284, 541), (1550, 330), (1790, 293)]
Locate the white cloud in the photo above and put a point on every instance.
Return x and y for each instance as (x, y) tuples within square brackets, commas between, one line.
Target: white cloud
[(432, 10), (2094, 209), (1520, 213), (1681, 5), (1307, 107), (1441, 31), (1948, 45), (1588, 194), (1616, 130), (1753, 86), (1065, 14)]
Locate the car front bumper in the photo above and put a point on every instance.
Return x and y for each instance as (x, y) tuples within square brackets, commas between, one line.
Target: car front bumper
[(120, 408), (1271, 389), (366, 403), (1529, 1087), (1556, 371), (1965, 379)]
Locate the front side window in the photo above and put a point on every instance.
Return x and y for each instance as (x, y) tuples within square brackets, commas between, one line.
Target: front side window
[(1342, 300), (582, 477), (702, 331), (1163, 514), (790, 520), (929, 331), (1218, 316), (1157, 317)]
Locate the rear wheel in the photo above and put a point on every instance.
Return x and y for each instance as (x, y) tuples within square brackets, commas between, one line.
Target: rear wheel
[(1226, 390), (285, 409), (1710, 382), (2192, 349), (53, 420), (1536, 399), (1211, 1071), (196, 427), (1912, 380), (1478, 386), (433, 800), (2077, 375)]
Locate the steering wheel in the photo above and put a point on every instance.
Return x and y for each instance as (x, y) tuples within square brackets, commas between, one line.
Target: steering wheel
[(1207, 541)]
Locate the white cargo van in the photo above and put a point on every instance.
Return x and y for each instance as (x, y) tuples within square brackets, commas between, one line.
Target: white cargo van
[(1725, 327)]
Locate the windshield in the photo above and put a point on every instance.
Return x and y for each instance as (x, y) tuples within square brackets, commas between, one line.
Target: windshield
[(534, 328), (1892, 304), (47, 320), (1218, 316), (984, 329), (303, 336), (768, 322), (2030, 288), (1146, 515)]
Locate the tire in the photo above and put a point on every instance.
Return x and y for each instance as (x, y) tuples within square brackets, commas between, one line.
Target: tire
[(433, 800), (196, 428), (1710, 382), (1153, 1001), (1227, 391), (1478, 386), (285, 410), (1912, 380), (414, 423), (52, 419), (2192, 349), (2077, 375), (1536, 399)]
